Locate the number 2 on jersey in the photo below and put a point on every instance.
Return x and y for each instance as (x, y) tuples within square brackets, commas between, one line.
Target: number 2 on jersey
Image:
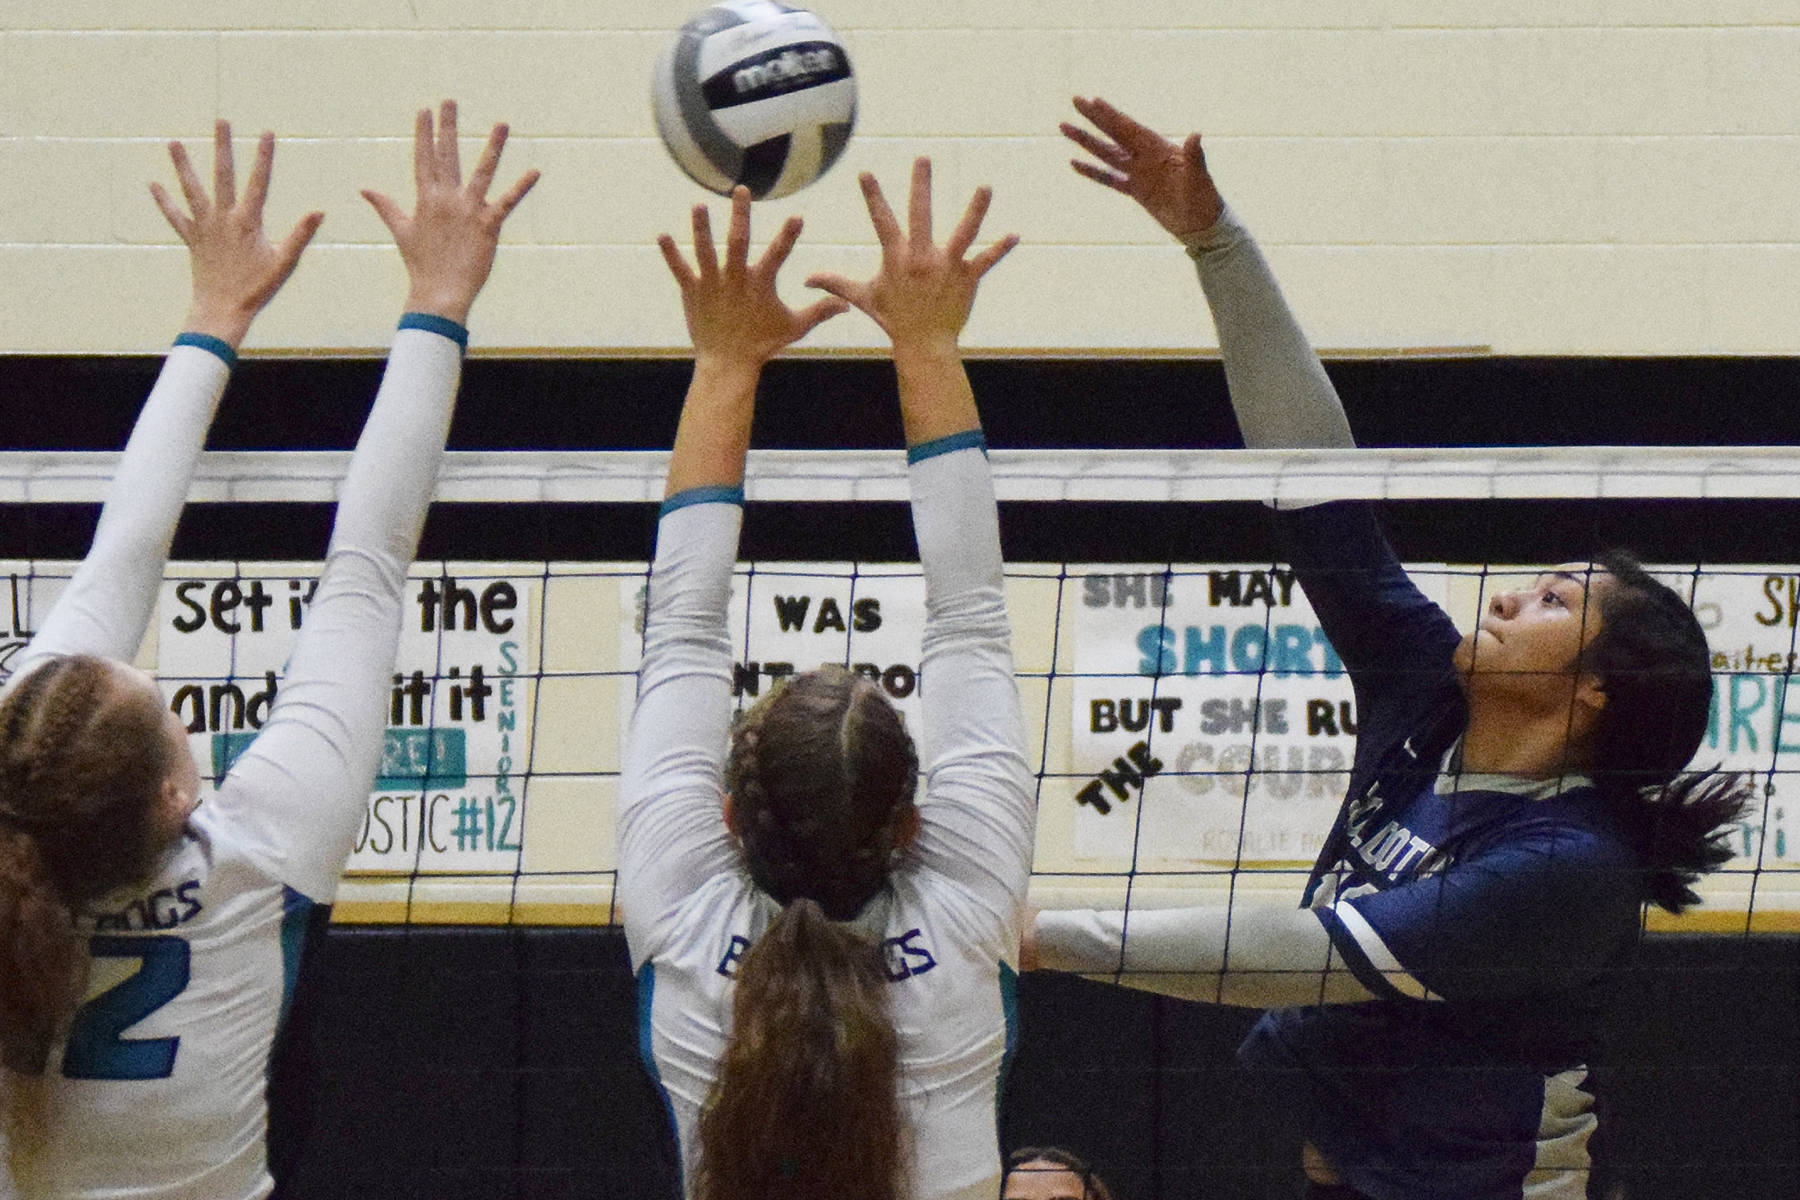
[(96, 1048)]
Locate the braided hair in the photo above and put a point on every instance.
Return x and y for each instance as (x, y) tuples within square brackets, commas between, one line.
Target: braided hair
[(83, 762), (822, 775)]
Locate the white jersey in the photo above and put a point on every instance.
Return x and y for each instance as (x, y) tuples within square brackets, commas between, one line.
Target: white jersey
[(948, 917), (157, 1092)]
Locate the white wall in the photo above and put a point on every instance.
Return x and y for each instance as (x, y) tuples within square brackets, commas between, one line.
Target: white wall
[(1538, 176)]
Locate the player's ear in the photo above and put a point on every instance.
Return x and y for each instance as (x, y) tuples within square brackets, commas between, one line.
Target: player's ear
[(909, 828), (1590, 692), (173, 808), (731, 819), (1584, 716)]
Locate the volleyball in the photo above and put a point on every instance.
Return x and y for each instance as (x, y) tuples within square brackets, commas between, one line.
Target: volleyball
[(754, 92)]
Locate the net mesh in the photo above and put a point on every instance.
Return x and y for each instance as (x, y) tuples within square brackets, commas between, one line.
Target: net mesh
[(1191, 724)]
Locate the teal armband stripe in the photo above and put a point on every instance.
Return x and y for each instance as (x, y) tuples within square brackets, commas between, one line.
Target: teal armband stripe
[(442, 326), (945, 445), (702, 495), (212, 345)]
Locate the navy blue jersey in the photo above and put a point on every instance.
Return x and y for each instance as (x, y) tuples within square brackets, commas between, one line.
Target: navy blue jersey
[(1490, 913)]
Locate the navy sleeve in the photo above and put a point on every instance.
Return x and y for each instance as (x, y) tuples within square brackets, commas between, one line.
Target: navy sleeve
[(1374, 615), (1545, 911)]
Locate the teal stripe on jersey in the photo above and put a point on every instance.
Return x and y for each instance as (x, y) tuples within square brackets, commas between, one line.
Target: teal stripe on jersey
[(1009, 1010), (295, 911), (945, 445), (646, 989)]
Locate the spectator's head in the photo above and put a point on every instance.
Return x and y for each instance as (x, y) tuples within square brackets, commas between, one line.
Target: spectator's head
[(1050, 1173)]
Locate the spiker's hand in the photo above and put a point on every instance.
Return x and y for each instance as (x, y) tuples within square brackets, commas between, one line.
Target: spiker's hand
[(1171, 181)]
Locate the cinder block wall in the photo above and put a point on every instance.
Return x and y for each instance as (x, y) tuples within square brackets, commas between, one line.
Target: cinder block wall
[(1538, 176)]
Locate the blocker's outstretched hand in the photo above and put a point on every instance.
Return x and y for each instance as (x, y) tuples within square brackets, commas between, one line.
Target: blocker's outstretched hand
[(737, 322), (235, 269), (1171, 181), (449, 241), (922, 295), (733, 311)]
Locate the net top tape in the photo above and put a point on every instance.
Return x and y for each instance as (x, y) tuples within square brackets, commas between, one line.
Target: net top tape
[(835, 476)]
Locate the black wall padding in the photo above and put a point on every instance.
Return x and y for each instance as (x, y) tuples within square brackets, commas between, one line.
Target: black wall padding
[(466, 1064), (87, 402), (482, 1063)]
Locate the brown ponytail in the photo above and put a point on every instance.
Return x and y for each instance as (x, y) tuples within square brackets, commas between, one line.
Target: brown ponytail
[(805, 1105), (83, 761), (42, 962), (821, 775)]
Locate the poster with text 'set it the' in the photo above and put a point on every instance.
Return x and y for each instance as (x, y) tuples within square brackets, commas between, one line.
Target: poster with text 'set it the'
[(448, 796), (1213, 723), (786, 618)]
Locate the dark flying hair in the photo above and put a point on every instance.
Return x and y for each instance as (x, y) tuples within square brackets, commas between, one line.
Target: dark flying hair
[(1654, 665)]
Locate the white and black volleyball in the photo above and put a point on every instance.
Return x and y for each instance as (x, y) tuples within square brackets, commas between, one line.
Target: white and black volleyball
[(754, 92)]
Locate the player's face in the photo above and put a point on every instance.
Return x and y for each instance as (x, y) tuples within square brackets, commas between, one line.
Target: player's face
[(1042, 1180), (181, 790), (1529, 638)]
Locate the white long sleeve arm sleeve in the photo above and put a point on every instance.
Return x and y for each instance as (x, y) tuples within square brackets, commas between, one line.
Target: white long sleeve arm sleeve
[(107, 604), (1281, 395), (979, 812), (381, 507), (1261, 956), (298, 793), (671, 826)]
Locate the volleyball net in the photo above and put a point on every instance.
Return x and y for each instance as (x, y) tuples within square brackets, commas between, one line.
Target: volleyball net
[(1190, 724)]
